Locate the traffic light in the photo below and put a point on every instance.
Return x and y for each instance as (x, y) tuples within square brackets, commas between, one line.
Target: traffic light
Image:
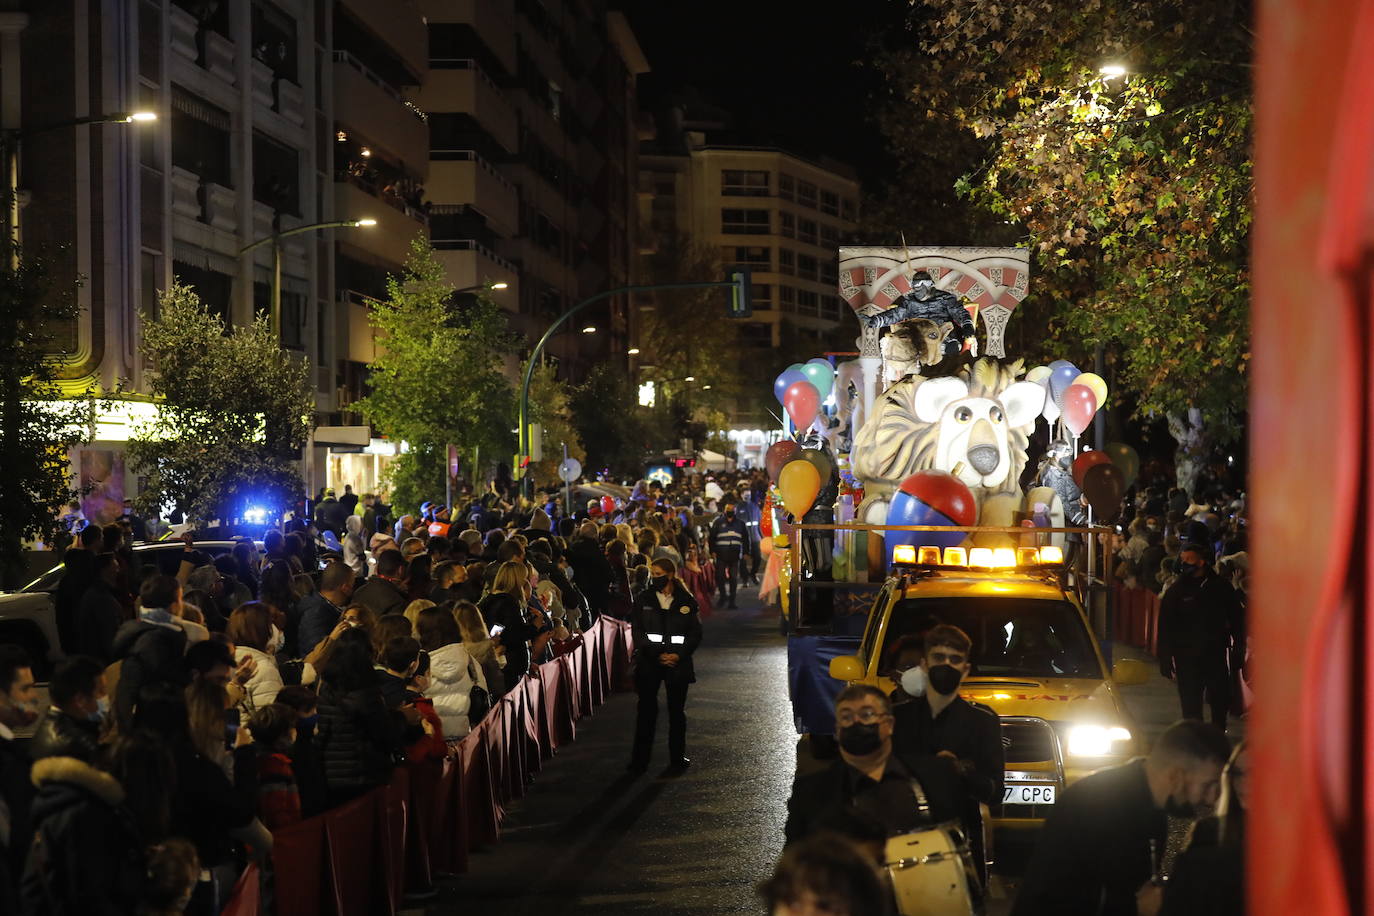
[(741, 294)]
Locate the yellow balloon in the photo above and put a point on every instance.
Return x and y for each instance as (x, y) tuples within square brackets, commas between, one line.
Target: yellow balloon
[(1098, 386), (1039, 374), (799, 482)]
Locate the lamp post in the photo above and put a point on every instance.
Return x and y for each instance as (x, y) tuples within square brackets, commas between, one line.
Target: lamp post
[(275, 239), (740, 284), (11, 140)]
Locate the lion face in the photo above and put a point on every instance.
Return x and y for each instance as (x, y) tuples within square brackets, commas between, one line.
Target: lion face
[(973, 441)]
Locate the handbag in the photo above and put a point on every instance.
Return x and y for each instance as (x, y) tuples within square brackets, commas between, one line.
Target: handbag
[(479, 701)]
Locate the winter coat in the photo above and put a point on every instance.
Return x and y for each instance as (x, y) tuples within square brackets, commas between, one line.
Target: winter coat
[(16, 802), (452, 675), (98, 617), (318, 618), (675, 631), (279, 801), (591, 572), (261, 689), (357, 739), (499, 609), (381, 596), (354, 550), (87, 855), (151, 655), (207, 804), (61, 735), (484, 654)]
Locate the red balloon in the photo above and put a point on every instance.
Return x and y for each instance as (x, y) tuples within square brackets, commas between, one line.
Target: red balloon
[(803, 402), (608, 504), (1087, 460), (1080, 403), (778, 454)]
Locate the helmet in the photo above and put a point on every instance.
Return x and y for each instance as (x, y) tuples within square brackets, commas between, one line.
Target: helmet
[(1059, 451)]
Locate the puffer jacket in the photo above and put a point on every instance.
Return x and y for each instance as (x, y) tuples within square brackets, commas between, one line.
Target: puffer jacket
[(357, 738), (150, 654), (263, 686), (61, 735), (87, 855), (452, 674)]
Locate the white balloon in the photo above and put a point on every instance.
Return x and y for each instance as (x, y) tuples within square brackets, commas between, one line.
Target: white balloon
[(1051, 411)]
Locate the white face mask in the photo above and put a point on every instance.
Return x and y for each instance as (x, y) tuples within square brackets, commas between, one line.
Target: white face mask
[(276, 641), (914, 681)]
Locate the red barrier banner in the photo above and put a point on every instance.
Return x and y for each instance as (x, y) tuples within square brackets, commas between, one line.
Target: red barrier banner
[(298, 863), (351, 841), (393, 812), (247, 896), (426, 804)]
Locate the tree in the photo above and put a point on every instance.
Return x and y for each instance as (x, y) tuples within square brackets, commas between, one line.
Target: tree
[(37, 426), (550, 407), (438, 378), (234, 412), (615, 439), (1134, 189)]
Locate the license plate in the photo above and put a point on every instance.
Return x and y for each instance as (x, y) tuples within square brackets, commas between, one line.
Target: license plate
[(1028, 795)]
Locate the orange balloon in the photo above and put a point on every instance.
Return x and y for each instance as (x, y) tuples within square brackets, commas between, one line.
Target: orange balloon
[(800, 483)]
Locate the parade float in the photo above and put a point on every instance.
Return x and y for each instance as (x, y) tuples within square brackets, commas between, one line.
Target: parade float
[(922, 440)]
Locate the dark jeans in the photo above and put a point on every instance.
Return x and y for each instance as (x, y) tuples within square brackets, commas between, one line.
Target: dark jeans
[(1200, 676), (727, 571), (646, 683)]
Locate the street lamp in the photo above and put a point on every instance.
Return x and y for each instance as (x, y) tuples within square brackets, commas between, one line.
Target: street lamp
[(499, 284), (1111, 71), (275, 239), (12, 138), (633, 351), (589, 329)]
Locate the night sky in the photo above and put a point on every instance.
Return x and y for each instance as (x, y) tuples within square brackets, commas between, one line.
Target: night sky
[(786, 71)]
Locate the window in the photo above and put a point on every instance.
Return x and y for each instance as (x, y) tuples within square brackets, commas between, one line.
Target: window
[(847, 209), (761, 296), (806, 194), (806, 267), (274, 41), (740, 183), (786, 186), (830, 236), (759, 258), (213, 287), (830, 203), (787, 298), (756, 334), (200, 138), (806, 231), (789, 225), (830, 272), (276, 175), (787, 261), (292, 313), (744, 222), (808, 303), (834, 308)]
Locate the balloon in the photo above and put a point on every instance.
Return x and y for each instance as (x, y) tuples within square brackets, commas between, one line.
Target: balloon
[(824, 466), (1079, 406), (786, 379), (608, 504), (1060, 379), (1095, 382), (1103, 485), (1126, 459), (1085, 461), (820, 373), (1061, 363), (1051, 411), (800, 483), (802, 401), (931, 498), (1040, 375), (778, 454)]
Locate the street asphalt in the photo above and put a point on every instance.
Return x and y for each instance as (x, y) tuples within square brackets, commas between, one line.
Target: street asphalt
[(589, 839)]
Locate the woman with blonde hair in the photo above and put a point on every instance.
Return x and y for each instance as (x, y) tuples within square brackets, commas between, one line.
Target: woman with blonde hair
[(507, 608), (452, 672), (412, 611), (477, 640)]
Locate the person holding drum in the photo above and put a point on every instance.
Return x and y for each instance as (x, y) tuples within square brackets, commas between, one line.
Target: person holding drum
[(936, 720)]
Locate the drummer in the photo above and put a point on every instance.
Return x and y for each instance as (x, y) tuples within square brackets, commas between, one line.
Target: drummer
[(871, 791), (939, 721)]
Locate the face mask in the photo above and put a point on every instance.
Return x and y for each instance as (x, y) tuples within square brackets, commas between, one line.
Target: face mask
[(102, 709), (914, 681), (944, 679), (19, 715), (859, 739), (923, 288), (658, 582), (729, 516)]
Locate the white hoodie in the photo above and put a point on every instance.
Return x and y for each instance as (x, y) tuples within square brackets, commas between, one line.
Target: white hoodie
[(452, 673)]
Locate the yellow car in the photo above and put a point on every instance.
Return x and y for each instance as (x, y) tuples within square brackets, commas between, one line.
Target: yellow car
[(1035, 663)]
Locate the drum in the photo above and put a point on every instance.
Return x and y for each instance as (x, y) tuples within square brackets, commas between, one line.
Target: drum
[(932, 872)]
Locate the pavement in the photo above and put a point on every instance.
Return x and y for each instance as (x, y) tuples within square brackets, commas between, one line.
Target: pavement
[(588, 839)]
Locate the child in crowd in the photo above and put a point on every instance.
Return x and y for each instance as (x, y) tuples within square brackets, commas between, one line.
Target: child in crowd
[(274, 733)]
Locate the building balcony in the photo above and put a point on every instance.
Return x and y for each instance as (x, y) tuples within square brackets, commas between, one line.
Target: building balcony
[(463, 177), (469, 263), (493, 20), (361, 339), (399, 24), (397, 223), (366, 103), (462, 86)]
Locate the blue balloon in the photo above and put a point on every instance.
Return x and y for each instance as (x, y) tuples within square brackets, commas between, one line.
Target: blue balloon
[(1062, 375), (785, 380), (909, 510)]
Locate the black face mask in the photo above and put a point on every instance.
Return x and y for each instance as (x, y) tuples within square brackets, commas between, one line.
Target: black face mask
[(943, 679), (729, 516), (859, 739), (658, 582)]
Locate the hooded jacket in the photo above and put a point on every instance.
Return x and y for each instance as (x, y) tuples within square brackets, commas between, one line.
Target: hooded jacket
[(452, 675), (87, 853), (151, 654), (354, 550), (381, 596)]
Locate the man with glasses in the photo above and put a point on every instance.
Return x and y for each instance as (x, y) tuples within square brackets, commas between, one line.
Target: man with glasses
[(871, 792), (939, 721)]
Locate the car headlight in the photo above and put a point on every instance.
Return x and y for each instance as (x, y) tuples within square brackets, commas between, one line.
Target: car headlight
[(1096, 740)]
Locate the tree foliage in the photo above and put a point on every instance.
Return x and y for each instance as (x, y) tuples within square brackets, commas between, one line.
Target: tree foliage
[(438, 377), (235, 410), (616, 438), (551, 408), (1135, 191), (37, 426)]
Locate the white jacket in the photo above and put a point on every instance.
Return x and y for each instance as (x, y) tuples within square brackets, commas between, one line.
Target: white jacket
[(452, 674), (262, 687)]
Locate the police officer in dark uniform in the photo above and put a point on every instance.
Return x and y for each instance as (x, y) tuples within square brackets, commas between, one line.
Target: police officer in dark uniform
[(667, 630), (939, 721)]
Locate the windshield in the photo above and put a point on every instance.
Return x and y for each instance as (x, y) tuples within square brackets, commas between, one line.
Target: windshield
[(165, 556), (1012, 637)]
